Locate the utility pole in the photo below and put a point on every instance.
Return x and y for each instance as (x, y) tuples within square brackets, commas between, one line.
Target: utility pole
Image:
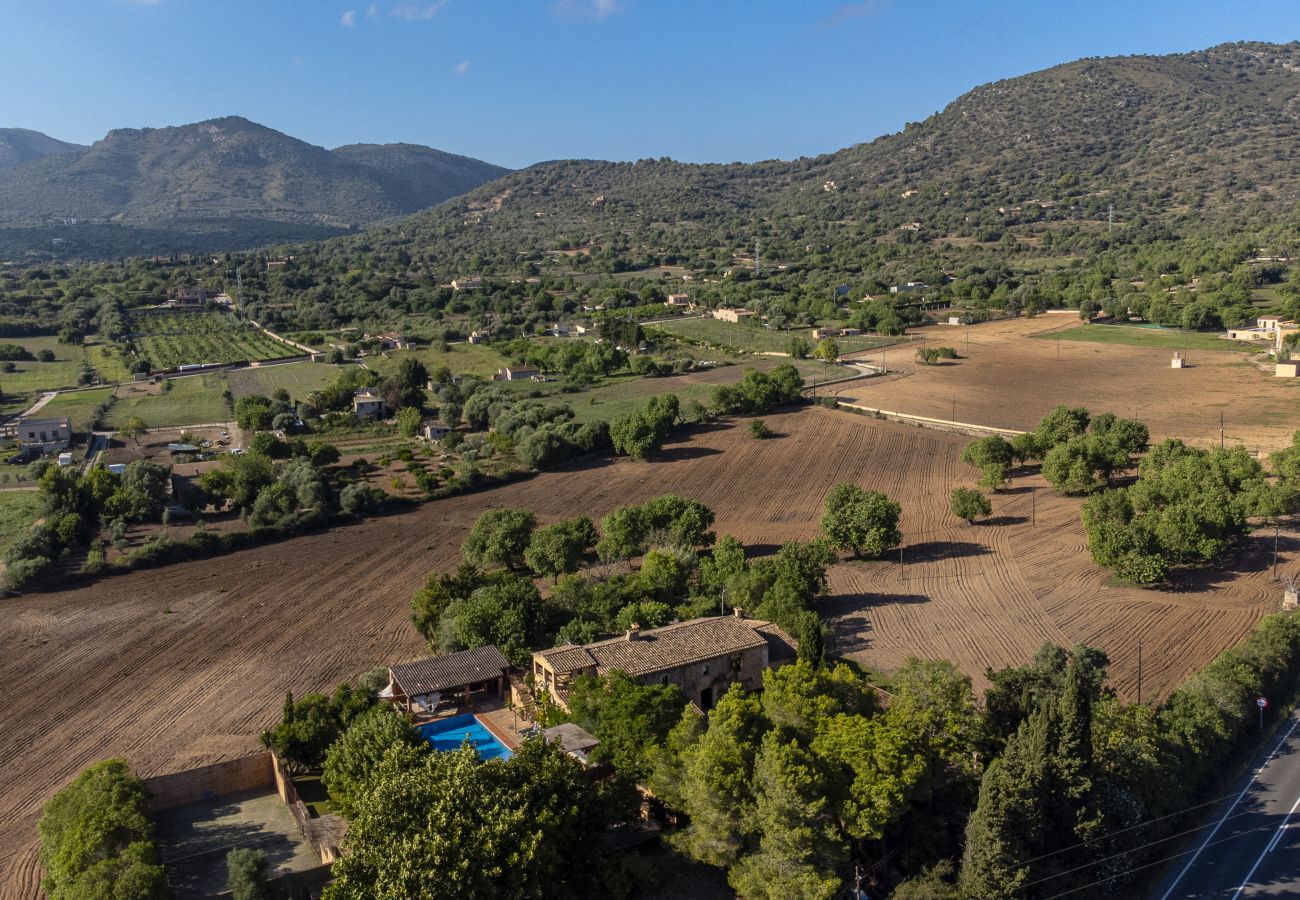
[(1276, 528), (902, 565), (1139, 672), (954, 409), (1220, 431), (1033, 506), (722, 603), (857, 882)]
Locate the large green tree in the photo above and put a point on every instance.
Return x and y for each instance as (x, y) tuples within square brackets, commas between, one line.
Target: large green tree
[(499, 538), (865, 522)]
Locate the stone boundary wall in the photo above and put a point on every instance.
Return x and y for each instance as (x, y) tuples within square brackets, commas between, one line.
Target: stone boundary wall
[(235, 776), (928, 422)]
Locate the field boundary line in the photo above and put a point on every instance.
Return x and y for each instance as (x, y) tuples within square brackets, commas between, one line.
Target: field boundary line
[(929, 422)]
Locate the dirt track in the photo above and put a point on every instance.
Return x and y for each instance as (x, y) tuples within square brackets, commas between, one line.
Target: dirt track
[(1010, 380), (182, 666)]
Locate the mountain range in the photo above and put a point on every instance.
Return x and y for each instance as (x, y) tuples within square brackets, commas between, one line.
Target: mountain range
[(1207, 138), (226, 179)]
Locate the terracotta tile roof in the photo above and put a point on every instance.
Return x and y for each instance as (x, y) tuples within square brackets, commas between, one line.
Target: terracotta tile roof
[(451, 670), (568, 658), (671, 646)]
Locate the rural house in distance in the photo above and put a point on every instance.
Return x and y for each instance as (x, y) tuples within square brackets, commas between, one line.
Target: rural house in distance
[(40, 436), (703, 657)]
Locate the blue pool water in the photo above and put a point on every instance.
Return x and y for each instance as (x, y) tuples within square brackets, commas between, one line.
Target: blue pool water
[(449, 734)]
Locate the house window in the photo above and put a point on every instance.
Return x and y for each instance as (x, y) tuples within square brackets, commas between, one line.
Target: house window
[(42, 437)]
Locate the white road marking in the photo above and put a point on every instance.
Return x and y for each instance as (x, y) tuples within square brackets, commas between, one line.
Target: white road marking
[(1228, 812), (1277, 836)]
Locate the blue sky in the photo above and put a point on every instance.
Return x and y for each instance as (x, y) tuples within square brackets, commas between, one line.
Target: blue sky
[(520, 81)]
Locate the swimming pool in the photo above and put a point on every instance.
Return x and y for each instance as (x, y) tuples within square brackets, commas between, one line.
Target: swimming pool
[(449, 734)]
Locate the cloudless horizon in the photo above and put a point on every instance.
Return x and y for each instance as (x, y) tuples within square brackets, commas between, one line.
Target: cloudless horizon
[(536, 80)]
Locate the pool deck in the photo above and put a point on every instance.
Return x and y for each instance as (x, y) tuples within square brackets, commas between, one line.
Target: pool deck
[(494, 715)]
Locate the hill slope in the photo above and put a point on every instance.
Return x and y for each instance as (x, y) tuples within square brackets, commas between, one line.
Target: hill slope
[(20, 145), (196, 178), (1206, 138)]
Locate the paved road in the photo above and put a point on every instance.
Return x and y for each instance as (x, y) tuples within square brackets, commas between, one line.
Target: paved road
[(1252, 846)]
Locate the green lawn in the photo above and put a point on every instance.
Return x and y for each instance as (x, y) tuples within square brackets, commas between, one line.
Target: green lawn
[(754, 338), (79, 405), (1133, 336), (462, 359), (18, 510), (193, 400), (299, 379)]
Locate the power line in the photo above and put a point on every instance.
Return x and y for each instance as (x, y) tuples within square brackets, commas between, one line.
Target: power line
[(1110, 834), (1161, 860), (1140, 847)]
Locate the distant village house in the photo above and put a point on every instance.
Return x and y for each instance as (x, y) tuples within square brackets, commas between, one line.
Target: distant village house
[(732, 315), (40, 436), (367, 403)]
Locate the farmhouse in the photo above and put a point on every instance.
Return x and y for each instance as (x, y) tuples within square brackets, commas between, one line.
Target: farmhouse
[(479, 337), (391, 341), (518, 373), (910, 288), (677, 300), (40, 436), (188, 298), (434, 431), (368, 404), (466, 284), (560, 329), (731, 315), (701, 656), (421, 685)]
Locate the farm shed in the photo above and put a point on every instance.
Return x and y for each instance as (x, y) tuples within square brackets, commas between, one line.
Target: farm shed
[(421, 685)]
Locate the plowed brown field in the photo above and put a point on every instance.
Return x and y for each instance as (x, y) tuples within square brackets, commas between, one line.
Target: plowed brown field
[(1009, 380), (182, 666)]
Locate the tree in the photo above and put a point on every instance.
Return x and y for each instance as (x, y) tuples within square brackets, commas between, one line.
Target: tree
[(408, 421), (759, 429), (134, 428), (499, 537), (143, 493), (528, 826), (716, 783), (828, 350), (865, 522), (97, 838), (558, 549), (630, 720), (970, 504), (246, 874), (352, 760), (799, 850)]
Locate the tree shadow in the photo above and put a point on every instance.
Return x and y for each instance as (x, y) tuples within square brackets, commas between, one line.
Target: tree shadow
[(848, 618), (677, 454), (1003, 520), (933, 551)]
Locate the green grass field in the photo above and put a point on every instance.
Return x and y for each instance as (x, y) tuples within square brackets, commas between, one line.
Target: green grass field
[(1167, 339), (18, 510), (299, 379), (79, 405), (171, 339), (627, 393), (462, 359), (757, 339), (193, 400)]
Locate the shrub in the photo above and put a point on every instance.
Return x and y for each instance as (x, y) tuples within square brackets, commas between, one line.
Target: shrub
[(246, 874), (970, 504), (758, 428)]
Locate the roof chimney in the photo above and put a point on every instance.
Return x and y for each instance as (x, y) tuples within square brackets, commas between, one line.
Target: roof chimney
[(634, 632), (738, 612)]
